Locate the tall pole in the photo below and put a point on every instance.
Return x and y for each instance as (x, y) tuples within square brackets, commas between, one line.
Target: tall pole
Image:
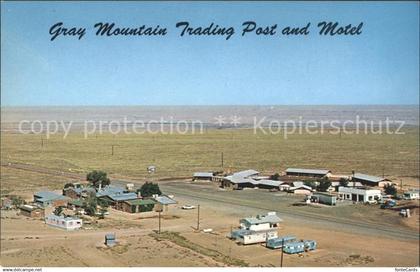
[(198, 217), (159, 222), (266, 239), (222, 160), (282, 250)]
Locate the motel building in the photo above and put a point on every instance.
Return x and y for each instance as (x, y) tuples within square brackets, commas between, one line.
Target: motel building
[(359, 194), (67, 223), (257, 229)]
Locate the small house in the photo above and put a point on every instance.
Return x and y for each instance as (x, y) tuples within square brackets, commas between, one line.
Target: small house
[(138, 205), (163, 201), (116, 200), (32, 211), (50, 199), (300, 190), (324, 198), (67, 223)]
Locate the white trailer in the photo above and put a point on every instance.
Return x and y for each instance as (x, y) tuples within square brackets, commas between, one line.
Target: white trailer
[(254, 237), (67, 223)]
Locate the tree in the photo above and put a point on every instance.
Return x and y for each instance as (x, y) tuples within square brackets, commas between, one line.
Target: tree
[(17, 201), (68, 185), (323, 186), (58, 211), (390, 189), (275, 176), (148, 189), (90, 204), (310, 184), (344, 182), (103, 208), (98, 178)]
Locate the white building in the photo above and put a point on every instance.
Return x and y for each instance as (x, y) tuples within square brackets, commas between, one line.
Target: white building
[(359, 194), (257, 229), (412, 195), (248, 237), (67, 223), (260, 222)]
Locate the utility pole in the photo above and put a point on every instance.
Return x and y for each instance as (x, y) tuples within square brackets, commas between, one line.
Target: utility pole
[(266, 239), (112, 150), (383, 171), (222, 160), (159, 222), (198, 217), (282, 249)]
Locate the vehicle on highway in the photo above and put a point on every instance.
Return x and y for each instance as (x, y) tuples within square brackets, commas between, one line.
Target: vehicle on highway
[(188, 207)]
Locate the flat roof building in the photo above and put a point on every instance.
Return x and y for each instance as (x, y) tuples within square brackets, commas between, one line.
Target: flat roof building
[(369, 180), (67, 223), (203, 176), (32, 211), (45, 198), (360, 194), (301, 172)]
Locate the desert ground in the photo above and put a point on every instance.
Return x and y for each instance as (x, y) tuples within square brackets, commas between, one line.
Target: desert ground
[(347, 235)]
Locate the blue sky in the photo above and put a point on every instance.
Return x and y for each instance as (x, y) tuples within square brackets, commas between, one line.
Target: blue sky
[(381, 66)]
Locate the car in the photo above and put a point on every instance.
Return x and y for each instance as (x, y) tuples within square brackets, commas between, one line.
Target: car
[(188, 207)]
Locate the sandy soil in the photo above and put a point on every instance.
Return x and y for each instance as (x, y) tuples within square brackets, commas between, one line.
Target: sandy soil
[(29, 242)]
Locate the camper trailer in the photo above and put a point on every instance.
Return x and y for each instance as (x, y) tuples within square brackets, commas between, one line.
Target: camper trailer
[(280, 241)]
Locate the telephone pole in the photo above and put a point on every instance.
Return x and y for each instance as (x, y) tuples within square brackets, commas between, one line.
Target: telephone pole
[(282, 250), (159, 222), (222, 160)]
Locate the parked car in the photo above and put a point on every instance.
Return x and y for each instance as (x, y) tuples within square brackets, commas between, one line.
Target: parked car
[(188, 207)]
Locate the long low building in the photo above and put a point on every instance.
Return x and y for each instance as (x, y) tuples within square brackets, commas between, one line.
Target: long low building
[(46, 198), (67, 223), (301, 172), (203, 176), (369, 180), (360, 194), (249, 179)]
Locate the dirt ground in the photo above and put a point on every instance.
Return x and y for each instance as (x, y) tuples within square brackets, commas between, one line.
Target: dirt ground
[(29, 242)]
